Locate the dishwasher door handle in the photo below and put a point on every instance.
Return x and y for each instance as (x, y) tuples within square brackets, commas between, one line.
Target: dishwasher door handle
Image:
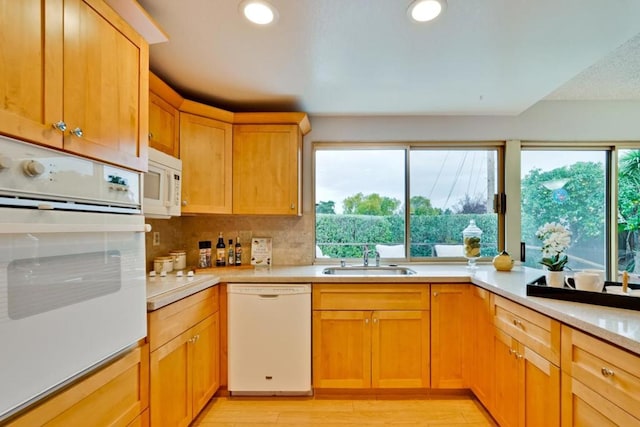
[(268, 296)]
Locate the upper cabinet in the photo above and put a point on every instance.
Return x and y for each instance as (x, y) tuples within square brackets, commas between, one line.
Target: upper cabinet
[(267, 163), (205, 150), (74, 76), (164, 122)]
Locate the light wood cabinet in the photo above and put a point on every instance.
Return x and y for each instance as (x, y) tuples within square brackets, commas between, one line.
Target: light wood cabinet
[(267, 162), (117, 395), (164, 118), (185, 368), (479, 353), (77, 65), (527, 384), (448, 335), (600, 382), (371, 336), (205, 150)]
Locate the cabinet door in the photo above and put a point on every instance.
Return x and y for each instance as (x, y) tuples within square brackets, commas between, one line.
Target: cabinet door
[(541, 389), (480, 348), (171, 386), (400, 349), (205, 150), (508, 404), (448, 327), (581, 406), (31, 70), (266, 169), (163, 126), (205, 366), (341, 349), (105, 85)]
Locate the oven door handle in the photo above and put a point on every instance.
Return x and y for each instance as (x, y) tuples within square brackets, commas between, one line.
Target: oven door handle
[(23, 228)]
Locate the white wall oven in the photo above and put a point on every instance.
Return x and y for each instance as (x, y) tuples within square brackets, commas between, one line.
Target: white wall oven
[(72, 269), (162, 185)]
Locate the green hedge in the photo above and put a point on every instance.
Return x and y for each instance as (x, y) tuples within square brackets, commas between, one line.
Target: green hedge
[(343, 236)]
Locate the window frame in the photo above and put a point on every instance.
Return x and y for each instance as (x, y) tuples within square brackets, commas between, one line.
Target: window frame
[(497, 146)]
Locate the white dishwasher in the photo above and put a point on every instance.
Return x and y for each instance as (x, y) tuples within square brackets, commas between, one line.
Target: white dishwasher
[(269, 339)]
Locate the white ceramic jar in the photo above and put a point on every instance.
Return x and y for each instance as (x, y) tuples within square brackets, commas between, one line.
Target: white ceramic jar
[(163, 263), (179, 259)]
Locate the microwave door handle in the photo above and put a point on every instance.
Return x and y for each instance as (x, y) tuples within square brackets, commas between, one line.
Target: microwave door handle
[(25, 228), (169, 201)]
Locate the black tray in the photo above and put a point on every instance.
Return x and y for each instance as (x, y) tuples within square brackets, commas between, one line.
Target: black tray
[(539, 288)]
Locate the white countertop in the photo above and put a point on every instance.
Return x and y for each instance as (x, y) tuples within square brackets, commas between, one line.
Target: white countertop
[(618, 326), (163, 291)]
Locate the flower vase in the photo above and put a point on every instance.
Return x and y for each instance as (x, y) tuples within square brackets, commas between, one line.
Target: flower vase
[(555, 279)]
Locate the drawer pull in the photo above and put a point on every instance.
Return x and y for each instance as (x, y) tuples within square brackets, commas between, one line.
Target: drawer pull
[(606, 372), (516, 322)]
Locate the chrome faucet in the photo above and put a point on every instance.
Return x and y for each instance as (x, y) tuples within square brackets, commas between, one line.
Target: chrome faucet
[(365, 256)]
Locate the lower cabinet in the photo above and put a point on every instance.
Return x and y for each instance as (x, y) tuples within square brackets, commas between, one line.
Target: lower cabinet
[(479, 352), (448, 338), (370, 336), (116, 395), (185, 368), (600, 382), (527, 385)]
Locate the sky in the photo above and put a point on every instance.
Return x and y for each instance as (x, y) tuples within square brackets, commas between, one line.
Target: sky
[(442, 176)]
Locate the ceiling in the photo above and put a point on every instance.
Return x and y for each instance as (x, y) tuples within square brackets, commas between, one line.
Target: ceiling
[(366, 57)]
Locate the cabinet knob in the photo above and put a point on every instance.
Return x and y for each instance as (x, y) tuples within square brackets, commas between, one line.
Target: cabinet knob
[(516, 322), (519, 356), (606, 372), (512, 351), (375, 320), (293, 206), (184, 203), (60, 125), (435, 294), (77, 132), (366, 321), (150, 135)]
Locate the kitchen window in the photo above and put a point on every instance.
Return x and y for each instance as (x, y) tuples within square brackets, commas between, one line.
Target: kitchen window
[(404, 201), (566, 186), (591, 187)]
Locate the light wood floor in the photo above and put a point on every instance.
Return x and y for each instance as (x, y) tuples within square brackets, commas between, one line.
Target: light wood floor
[(456, 411)]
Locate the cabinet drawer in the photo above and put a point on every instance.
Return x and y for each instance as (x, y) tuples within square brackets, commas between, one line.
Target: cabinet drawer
[(536, 331), (115, 396), (173, 319), (614, 373), (370, 297)]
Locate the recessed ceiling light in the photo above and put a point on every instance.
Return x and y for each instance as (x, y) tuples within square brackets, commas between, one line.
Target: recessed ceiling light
[(258, 11), (426, 10)]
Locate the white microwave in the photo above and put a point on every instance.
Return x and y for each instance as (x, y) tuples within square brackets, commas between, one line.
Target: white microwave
[(162, 186)]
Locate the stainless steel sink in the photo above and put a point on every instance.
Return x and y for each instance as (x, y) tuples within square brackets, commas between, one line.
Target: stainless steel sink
[(361, 270)]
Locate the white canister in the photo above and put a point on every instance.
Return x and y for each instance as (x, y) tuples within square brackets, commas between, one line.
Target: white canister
[(163, 263), (179, 259)]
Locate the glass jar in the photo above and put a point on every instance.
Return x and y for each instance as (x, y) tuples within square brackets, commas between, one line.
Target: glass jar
[(471, 238)]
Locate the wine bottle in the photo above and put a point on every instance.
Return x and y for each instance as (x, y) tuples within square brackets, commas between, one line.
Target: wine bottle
[(231, 259), (221, 253), (238, 251)]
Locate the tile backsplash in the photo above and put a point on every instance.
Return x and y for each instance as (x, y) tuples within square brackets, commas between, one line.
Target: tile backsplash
[(292, 236)]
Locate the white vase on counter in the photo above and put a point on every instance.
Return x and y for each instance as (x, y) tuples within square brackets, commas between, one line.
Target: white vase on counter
[(555, 279)]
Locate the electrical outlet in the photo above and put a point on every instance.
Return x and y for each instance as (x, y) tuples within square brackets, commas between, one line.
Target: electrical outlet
[(156, 238)]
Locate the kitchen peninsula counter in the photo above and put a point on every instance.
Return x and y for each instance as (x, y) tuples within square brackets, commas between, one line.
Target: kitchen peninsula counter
[(618, 326)]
